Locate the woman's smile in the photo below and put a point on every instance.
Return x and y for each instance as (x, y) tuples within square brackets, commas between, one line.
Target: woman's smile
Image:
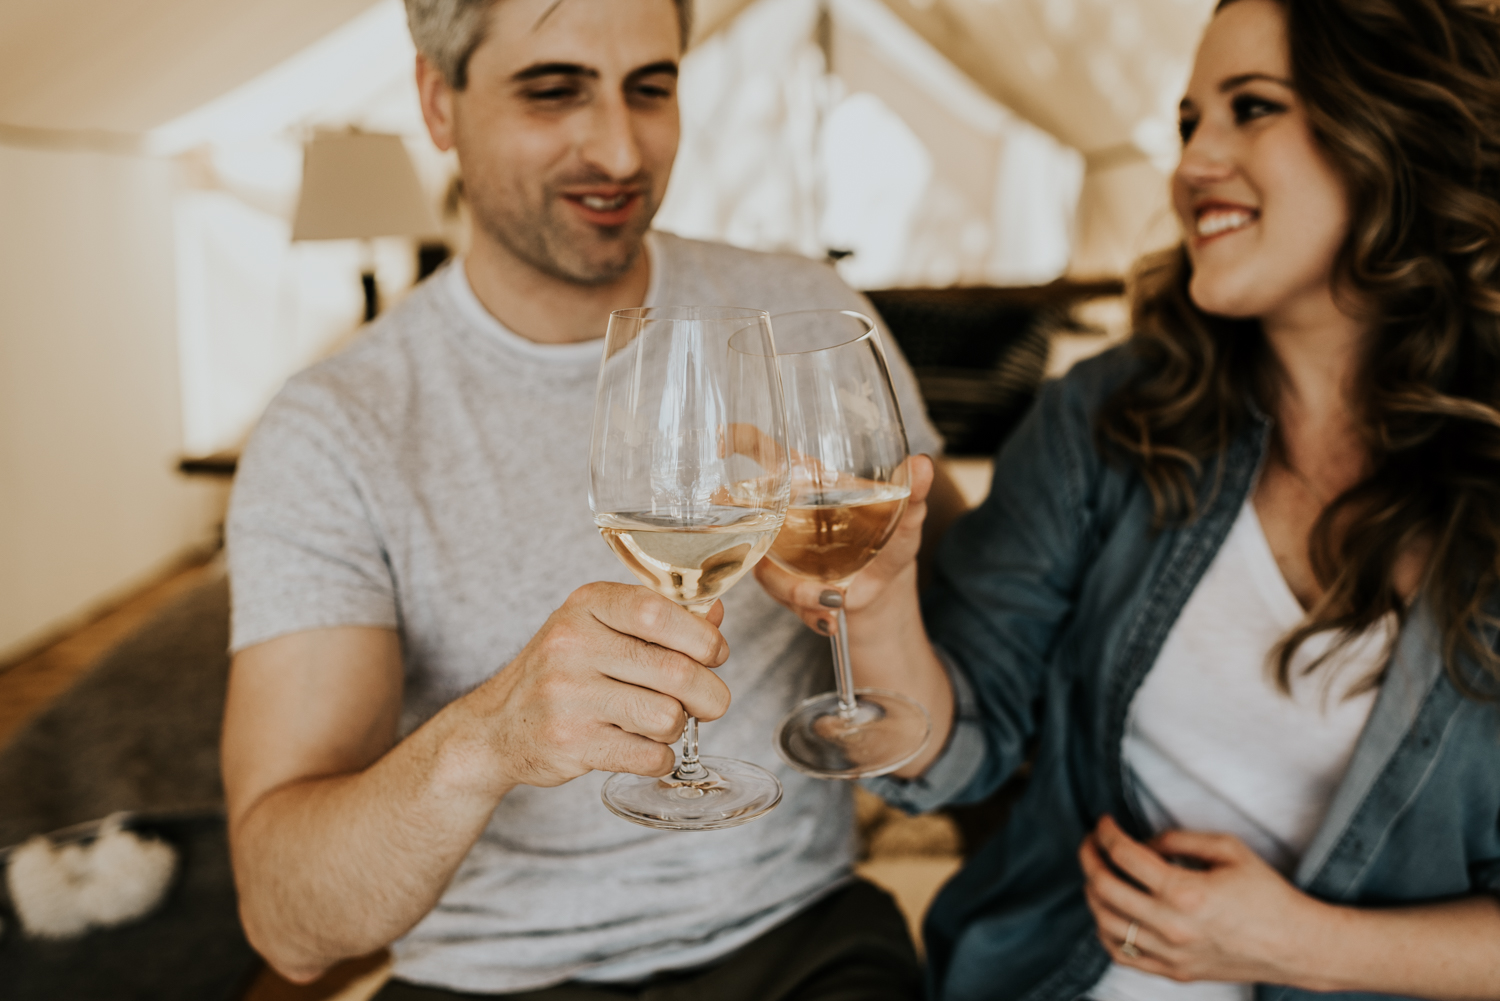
[(1214, 219)]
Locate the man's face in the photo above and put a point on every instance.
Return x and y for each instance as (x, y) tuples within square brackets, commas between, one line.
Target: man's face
[(567, 130)]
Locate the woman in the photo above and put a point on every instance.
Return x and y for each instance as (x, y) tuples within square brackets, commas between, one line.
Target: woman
[(1233, 590)]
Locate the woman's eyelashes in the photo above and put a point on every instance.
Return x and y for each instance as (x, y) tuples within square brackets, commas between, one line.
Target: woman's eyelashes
[(1246, 108)]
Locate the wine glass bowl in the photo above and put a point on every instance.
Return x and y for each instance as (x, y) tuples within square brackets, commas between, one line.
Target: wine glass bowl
[(849, 490), (689, 483)]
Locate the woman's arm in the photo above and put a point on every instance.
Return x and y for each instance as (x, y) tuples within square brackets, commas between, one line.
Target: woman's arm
[(1237, 919)]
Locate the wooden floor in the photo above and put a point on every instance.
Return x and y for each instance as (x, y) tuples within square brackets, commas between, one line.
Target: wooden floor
[(30, 683)]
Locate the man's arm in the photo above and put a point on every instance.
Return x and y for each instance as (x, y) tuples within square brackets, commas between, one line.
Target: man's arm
[(343, 839)]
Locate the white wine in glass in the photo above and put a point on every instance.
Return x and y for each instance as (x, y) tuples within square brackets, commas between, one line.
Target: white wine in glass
[(849, 490), (689, 483)]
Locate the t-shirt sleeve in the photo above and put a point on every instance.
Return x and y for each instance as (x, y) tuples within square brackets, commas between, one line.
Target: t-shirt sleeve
[(304, 549)]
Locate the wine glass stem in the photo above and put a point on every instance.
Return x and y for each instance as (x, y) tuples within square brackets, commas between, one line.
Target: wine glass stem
[(843, 670), (690, 767)]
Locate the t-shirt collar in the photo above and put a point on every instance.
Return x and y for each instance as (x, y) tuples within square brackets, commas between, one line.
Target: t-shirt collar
[(461, 293)]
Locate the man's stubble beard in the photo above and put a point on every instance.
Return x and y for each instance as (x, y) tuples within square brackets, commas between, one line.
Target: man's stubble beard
[(540, 239)]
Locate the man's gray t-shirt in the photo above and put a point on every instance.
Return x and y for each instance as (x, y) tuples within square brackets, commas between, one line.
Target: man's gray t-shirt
[(433, 478)]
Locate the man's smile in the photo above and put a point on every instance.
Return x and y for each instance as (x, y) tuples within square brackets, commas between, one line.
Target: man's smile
[(605, 207)]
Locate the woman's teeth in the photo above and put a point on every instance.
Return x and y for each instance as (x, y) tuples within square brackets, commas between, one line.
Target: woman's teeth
[(1217, 221), (599, 204)]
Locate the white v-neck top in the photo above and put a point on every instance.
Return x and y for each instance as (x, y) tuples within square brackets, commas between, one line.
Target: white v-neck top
[(1213, 744)]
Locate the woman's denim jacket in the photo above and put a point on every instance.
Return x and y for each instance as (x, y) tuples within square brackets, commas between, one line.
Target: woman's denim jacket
[(1052, 601)]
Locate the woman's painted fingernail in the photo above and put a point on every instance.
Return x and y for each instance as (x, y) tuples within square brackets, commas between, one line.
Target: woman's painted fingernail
[(823, 627), (831, 599)]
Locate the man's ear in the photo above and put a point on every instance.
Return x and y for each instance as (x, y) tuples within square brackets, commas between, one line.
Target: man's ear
[(437, 103)]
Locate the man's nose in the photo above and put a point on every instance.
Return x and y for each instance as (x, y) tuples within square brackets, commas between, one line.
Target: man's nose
[(609, 141)]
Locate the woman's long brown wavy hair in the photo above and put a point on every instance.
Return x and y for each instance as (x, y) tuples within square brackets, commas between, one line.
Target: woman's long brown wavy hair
[(1404, 98)]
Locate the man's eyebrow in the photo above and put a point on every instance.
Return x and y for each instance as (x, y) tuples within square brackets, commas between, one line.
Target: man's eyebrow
[(1244, 78), (536, 70), (666, 66)]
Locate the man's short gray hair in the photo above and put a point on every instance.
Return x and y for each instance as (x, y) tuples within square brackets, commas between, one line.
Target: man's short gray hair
[(447, 32)]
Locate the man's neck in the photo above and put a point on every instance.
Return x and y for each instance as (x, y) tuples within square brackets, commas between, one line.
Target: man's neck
[(544, 308)]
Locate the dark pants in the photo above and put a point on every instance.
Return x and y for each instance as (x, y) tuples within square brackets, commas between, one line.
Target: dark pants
[(850, 946)]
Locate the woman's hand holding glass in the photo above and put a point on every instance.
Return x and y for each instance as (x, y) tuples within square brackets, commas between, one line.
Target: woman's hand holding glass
[(887, 643), (888, 582), (849, 490)]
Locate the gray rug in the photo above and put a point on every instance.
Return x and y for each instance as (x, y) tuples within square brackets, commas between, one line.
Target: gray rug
[(139, 733)]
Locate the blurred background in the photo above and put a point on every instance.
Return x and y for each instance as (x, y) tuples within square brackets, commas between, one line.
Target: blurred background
[(153, 297)]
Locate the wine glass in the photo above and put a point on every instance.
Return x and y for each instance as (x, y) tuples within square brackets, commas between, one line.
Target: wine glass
[(689, 483), (849, 490)]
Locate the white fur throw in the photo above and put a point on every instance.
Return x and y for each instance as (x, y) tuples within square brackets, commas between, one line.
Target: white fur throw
[(60, 891)]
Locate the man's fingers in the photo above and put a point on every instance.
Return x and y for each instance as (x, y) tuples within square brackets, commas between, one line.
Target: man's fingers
[(644, 712), (618, 751), (640, 612), (669, 674)]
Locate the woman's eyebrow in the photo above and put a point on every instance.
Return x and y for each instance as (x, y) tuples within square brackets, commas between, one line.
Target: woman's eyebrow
[(1243, 78)]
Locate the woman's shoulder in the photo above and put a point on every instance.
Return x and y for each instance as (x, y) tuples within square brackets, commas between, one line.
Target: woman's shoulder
[(1069, 404), (1093, 380)]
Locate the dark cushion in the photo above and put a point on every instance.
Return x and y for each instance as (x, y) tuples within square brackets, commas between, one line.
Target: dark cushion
[(191, 948)]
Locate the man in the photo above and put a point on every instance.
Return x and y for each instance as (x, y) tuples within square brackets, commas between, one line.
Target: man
[(424, 702)]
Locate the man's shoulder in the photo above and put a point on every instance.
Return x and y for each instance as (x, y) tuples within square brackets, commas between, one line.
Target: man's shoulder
[(374, 372), (776, 281)]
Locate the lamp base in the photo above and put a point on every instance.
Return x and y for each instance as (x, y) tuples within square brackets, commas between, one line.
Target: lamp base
[(372, 294)]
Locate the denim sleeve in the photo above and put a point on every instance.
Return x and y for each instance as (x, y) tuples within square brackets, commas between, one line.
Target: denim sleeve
[(1007, 576)]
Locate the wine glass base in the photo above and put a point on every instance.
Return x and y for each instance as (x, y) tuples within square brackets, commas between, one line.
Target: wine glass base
[(731, 793), (885, 731)]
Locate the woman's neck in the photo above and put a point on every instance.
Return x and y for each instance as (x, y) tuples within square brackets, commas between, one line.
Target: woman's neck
[(1318, 358)]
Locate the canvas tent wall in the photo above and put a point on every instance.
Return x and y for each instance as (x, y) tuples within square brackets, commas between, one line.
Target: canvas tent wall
[(110, 114)]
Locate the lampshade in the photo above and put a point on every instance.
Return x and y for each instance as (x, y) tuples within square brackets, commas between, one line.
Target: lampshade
[(357, 185)]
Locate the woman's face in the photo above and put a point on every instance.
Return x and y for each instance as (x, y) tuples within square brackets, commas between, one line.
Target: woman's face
[(1263, 212)]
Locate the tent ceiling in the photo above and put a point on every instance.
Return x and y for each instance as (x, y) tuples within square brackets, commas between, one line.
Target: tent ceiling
[(1088, 71), (104, 65), (128, 67), (1102, 76)]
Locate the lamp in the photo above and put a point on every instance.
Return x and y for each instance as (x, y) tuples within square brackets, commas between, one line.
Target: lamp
[(357, 186)]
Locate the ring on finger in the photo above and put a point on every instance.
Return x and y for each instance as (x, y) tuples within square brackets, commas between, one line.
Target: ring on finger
[(1128, 947)]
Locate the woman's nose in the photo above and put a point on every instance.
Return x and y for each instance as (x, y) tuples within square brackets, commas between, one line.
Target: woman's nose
[(1206, 159)]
